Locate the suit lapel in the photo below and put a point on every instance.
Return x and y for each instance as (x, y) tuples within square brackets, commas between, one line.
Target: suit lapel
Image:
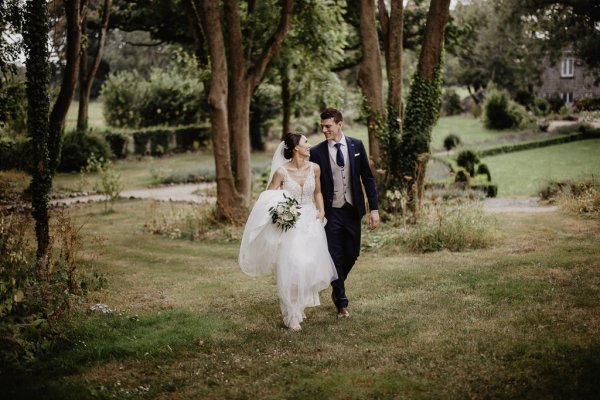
[(351, 152), (324, 150)]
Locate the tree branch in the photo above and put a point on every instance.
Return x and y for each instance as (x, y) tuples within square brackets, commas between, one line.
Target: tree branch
[(260, 65)]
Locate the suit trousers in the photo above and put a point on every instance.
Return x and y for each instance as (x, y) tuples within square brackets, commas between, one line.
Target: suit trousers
[(343, 241)]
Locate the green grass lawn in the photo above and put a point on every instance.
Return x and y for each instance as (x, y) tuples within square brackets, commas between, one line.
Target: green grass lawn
[(471, 132), (518, 320), (524, 173), (95, 116)]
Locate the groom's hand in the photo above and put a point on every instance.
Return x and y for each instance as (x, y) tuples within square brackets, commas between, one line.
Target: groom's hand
[(373, 219)]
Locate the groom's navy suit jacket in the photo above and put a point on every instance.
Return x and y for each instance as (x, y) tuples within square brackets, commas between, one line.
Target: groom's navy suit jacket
[(359, 172)]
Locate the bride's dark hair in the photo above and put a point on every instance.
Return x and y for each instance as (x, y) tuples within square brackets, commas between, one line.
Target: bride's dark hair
[(291, 141)]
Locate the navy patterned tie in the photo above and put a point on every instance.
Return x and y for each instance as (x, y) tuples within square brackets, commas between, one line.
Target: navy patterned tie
[(339, 158)]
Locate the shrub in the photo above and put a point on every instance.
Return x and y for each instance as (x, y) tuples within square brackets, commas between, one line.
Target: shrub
[(13, 108), (120, 95), (525, 98), (78, 147), (587, 103), (542, 107), (451, 141), (556, 103), (500, 112), (575, 197), (451, 103), (118, 143), (109, 184), (167, 97), (455, 228), (467, 159), (483, 169), (15, 153), (33, 301)]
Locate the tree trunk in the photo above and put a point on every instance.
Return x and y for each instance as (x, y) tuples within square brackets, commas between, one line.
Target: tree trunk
[(229, 100), (86, 79), (423, 106), (69, 81), (433, 42), (228, 198), (370, 78), (38, 77), (393, 56), (286, 101)]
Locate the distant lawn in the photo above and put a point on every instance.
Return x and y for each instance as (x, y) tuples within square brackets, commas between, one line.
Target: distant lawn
[(96, 119), (471, 132), (140, 173), (524, 173)]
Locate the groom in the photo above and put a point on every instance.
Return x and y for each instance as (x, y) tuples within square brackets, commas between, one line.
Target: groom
[(344, 172)]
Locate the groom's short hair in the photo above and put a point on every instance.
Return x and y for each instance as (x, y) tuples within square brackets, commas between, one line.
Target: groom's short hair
[(332, 113)]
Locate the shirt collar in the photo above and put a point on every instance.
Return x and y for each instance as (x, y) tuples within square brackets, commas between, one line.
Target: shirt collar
[(333, 142)]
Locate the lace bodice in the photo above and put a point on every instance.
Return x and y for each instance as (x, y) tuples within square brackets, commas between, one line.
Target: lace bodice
[(304, 194)]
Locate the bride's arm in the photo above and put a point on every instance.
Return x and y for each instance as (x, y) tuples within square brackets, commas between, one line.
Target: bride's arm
[(319, 203), (277, 180)]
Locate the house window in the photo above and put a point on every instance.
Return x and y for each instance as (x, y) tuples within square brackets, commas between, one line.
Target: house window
[(567, 68), (567, 97)]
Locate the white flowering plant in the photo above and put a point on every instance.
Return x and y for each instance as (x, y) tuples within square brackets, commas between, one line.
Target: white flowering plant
[(285, 213)]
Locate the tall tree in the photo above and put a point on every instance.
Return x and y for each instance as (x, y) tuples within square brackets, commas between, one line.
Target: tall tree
[(235, 75), (370, 77), (70, 72), (87, 76), (571, 25), (35, 35), (423, 106)]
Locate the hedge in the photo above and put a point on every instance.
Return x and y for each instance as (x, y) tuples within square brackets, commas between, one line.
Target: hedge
[(584, 132), (159, 141)]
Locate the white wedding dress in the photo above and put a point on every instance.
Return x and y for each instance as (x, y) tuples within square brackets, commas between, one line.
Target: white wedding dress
[(299, 256)]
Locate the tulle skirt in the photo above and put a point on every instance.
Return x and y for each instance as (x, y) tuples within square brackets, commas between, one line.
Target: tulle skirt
[(299, 256)]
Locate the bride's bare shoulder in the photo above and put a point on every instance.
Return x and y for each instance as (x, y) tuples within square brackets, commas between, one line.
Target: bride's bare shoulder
[(316, 167)]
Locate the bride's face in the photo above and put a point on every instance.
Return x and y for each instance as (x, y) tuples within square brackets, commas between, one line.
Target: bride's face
[(303, 147)]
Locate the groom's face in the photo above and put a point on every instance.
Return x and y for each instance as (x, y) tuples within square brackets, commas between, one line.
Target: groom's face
[(331, 129)]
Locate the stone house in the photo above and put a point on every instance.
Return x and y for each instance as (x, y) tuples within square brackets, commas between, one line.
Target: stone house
[(568, 78)]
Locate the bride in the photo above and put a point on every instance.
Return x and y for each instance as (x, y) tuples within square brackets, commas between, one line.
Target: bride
[(299, 255)]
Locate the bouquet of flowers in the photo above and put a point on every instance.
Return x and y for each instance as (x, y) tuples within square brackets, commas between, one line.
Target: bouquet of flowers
[(285, 213)]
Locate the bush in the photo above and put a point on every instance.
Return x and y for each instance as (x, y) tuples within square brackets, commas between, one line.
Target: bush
[(451, 141), (580, 198), (500, 112), (78, 147), (541, 107), (455, 228), (167, 97), (120, 99), (118, 143), (451, 103), (587, 103), (32, 302), (556, 103), (13, 108), (467, 159), (15, 153)]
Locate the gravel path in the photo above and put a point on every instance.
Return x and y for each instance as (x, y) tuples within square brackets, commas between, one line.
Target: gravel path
[(201, 193), (191, 193)]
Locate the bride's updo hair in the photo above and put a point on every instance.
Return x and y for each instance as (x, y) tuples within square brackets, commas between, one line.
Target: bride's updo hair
[(291, 141)]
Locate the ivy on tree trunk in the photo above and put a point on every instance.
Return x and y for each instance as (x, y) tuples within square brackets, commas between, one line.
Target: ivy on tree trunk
[(38, 78)]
